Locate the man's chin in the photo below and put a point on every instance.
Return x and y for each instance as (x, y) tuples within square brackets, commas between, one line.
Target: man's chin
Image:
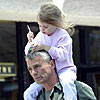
[(39, 82)]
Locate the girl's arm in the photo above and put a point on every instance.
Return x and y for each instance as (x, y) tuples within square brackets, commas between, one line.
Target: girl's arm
[(62, 50), (31, 42)]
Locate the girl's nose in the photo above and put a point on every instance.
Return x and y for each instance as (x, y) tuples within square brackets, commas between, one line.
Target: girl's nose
[(41, 29)]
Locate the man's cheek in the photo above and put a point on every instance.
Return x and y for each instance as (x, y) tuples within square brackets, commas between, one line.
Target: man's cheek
[(44, 75)]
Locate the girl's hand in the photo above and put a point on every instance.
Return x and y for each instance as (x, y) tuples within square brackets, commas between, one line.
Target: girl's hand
[(30, 36), (41, 47)]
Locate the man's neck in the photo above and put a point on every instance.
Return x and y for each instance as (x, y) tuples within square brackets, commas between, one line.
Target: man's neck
[(51, 82)]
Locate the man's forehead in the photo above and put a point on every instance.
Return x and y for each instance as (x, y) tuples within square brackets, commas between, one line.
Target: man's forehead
[(33, 62), (36, 59)]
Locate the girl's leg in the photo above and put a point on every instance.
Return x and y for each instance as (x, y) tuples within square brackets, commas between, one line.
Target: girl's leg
[(67, 78), (32, 91)]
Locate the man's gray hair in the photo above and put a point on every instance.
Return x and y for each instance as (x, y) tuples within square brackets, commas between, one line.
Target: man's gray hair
[(44, 54)]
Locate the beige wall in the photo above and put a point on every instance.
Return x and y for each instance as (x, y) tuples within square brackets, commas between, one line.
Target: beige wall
[(84, 12), (81, 12)]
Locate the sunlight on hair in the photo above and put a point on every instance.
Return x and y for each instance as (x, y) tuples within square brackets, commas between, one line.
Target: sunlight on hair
[(59, 3)]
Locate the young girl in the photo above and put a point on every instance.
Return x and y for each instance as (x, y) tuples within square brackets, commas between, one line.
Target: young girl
[(55, 39)]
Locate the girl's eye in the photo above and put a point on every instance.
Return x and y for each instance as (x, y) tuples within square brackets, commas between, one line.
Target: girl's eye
[(45, 27), (39, 25)]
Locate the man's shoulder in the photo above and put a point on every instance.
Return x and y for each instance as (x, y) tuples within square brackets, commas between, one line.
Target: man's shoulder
[(85, 92)]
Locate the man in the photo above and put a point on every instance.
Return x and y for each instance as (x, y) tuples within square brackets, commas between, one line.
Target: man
[(42, 69)]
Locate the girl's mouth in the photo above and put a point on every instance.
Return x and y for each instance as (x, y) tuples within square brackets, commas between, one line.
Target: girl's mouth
[(44, 33)]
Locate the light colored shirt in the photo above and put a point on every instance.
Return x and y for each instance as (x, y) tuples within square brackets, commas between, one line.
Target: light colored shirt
[(47, 95), (61, 47)]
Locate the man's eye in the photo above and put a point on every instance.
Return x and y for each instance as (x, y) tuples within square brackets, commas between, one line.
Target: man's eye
[(29, 69), (37, 66)]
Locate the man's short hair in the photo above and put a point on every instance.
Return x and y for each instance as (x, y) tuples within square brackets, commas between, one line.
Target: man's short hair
[(44, 54)]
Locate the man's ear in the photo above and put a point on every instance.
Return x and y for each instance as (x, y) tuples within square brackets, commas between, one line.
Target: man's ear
[(52, 64)]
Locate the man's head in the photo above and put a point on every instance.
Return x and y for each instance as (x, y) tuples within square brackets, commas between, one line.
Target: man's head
[(41, 66)]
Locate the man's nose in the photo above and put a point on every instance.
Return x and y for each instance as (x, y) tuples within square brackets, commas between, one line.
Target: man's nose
[(33, 72)]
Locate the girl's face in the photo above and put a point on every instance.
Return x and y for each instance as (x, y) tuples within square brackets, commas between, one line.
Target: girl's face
[(46, 28)]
